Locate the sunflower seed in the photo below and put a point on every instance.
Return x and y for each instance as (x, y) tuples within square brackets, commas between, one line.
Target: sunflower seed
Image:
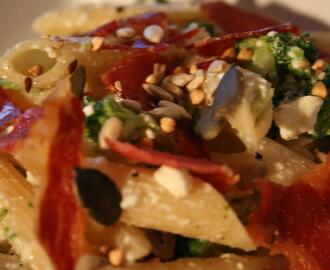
[(170, 112), (132, 105), (157, 92), (184, 113), (173, 89)]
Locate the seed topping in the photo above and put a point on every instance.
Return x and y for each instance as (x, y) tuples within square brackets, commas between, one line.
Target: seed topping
[(153, 33)]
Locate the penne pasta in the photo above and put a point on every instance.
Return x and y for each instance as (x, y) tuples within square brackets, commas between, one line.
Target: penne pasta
[(17, 208)]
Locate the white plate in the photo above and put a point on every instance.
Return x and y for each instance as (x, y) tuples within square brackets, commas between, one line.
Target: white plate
[(17, 15)]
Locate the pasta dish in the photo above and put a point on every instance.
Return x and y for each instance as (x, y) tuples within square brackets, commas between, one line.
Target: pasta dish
[(167, 136)]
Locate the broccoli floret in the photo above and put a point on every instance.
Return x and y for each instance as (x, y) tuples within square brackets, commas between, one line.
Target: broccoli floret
[(134, 124), (285, 60)]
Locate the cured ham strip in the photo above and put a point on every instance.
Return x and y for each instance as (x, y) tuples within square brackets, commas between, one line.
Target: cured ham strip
[(234, 19), (131, 72), (216, 46), (50, 153), (201, 167), (301, 216)]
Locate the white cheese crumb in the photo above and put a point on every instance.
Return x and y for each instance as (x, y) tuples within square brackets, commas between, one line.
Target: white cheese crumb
[(88, 110), (297, 117), (177, 182), (153, 33)]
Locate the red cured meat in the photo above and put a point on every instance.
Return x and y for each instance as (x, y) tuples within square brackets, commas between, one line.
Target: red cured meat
[(216, 46), (202, 167), (234, 19), (132, 72)]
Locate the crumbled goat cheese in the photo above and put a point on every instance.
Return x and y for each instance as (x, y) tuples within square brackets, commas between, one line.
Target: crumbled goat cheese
[(298, 116), (176, 181)]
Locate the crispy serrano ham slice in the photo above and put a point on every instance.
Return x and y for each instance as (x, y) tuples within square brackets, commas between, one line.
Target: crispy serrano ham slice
[(300, 214), (50, 153), (217, 45), (131, 72), (234, 19), (218, 175)]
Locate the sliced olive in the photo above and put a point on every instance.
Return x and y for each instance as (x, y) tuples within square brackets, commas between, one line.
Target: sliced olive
[(99, 195)]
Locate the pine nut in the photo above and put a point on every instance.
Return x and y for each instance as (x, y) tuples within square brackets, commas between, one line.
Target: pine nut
[(118, 86), (112, 129), (229, 55), (153, 33), (319, 65), (198, 80), (125, 32), (320, 90), (116, 257), (97, 43), (244, 56), (181, 79), (197, 96), (216, 66), (167, 124), (193, 69)]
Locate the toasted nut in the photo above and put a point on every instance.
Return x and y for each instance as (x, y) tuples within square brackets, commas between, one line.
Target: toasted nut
[(157, 92), (198, 80), (97, 43), (153, 33), (170, 112), (193, 69), (112, 129), (118, 86), (173, 89), (300, 64), (184, 113), (320, 90), (150, 134), (197, 96), (167, 124), (36, 70), (152, 79), (125, 32), (216, 66), (244, 56), (104, 249), (178, 70), (181, 79), (318, 65), (116, 257), (132, 105), (229, 55)]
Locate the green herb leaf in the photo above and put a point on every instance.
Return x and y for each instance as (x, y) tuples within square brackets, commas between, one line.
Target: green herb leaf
[(322, 127)]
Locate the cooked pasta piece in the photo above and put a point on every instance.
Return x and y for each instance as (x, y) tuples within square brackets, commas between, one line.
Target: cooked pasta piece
[(225, 262), (17, 212), (85, 18), (203, 212)]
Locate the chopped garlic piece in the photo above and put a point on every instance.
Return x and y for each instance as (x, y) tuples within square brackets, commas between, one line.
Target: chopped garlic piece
[(176, 181), (297, 117)]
